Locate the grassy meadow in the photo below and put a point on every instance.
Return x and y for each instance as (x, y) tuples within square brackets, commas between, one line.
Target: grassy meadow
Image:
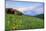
[(22, 22)]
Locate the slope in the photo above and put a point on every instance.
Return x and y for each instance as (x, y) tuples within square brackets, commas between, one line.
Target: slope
[(23, 22)]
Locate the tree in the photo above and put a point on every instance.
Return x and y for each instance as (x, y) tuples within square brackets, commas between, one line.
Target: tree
[(18, 13), (9, 11)]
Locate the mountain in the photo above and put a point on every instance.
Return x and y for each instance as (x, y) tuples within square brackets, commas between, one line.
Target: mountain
[(40, 16)]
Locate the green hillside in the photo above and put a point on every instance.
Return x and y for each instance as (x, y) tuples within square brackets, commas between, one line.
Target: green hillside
[(23, 22), (41, 16)]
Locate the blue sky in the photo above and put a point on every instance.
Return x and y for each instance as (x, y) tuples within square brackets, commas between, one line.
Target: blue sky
[(21, 4), (29, 8)]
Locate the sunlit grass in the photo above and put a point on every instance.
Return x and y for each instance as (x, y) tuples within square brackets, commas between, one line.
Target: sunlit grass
[(23, 22)]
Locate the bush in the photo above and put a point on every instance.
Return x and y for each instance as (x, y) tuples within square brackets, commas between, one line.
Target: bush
[(18, 13), (9, 11)]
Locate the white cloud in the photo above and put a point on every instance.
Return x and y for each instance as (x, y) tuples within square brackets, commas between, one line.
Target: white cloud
[(28, 10), (22, 9)]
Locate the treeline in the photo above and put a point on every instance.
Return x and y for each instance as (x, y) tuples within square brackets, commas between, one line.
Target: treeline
[(12, 11)]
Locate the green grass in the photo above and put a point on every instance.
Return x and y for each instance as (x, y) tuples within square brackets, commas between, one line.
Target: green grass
[(23, 22)]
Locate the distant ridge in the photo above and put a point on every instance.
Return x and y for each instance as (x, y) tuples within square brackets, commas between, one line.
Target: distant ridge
[(40, 16)]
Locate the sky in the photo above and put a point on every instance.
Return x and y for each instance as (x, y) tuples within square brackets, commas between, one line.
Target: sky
[(28, 8)]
